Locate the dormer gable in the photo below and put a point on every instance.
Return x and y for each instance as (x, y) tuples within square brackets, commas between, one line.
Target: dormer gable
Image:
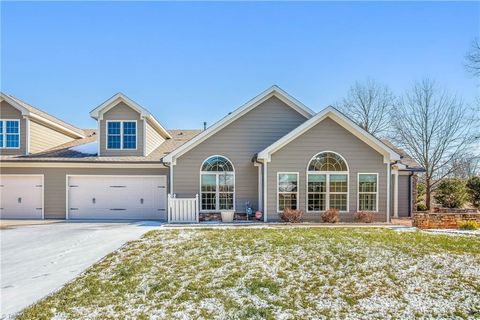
[(126, 128)]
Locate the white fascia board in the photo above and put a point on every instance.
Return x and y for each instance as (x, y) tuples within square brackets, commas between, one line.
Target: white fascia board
[(26, 113), (222, 123), (16, 105), (388, 153), (98, 112), (160, 129), (56, 126)]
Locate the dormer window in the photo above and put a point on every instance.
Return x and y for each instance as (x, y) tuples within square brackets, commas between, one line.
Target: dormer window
[(122, 135), (9, 134)]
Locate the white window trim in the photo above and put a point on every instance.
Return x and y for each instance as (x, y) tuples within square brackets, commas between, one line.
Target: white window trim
[(327, 192), (217, 192), (278, 192), (358, 190), (4, 133), (121, 134)]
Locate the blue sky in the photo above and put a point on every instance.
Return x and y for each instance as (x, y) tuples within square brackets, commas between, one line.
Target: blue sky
[(194, 62)]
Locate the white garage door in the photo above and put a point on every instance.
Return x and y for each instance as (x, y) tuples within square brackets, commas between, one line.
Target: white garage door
[(21, 196), (117, 197)]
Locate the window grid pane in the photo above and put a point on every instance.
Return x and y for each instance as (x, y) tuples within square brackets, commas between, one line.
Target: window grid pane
[(226, 200), (209, 201), (217, 186), (327, 161), (217, 164), (2, 136), (367, 183), (225, 182), (13, 141), (368, 202), (338, 201), (287, 182), (316, 201), (209, 183), (12, 126), (129, 135), (287, 200), (113, 136), (367, 187), (338, 183)]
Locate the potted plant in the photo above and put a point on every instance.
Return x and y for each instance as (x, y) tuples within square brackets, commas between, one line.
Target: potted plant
[(227, 216)]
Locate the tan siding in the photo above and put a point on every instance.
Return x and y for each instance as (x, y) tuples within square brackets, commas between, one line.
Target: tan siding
[(9, 112), (55, 183), (403, 201), (153, 139), (43, 138), (239, 141), (121, 112), (326, 136)]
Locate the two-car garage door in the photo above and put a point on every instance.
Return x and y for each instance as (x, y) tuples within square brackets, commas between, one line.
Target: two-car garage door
[(116, 197)]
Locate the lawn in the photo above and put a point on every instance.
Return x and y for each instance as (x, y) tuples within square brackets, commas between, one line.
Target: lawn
[(277, 273)]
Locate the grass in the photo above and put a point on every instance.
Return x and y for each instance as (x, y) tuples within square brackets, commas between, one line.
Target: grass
[(284, 273)]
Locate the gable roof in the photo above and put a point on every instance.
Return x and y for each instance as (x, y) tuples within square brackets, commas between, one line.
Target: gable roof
[(405, 159), (332, 113), (273, 91), (37, 114), (98, 112)]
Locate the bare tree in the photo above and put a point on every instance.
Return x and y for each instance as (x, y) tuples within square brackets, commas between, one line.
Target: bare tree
[(465, 166), (369, 104), (473, 59), (435, 129)]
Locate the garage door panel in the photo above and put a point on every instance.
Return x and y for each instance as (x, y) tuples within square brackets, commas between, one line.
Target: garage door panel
[(21, 196), (117, 197)]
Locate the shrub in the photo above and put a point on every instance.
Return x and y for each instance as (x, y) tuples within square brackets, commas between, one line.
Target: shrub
[(292, 215), (468, 225), (473, 189), (451, 193), (364, 216), (421, 206), (332, 215), (421, 193)]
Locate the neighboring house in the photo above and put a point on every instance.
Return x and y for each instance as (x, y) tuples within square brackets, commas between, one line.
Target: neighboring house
[(273, 152)]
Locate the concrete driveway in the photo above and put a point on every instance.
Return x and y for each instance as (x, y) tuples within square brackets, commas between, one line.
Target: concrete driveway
[(36, 260)]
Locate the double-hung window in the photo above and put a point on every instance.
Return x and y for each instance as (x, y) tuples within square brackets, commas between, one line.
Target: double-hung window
[(122, 135), (287, 190), (9, 134), (367, 191)]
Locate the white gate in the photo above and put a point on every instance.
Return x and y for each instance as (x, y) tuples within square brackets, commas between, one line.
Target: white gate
[(182, 210)]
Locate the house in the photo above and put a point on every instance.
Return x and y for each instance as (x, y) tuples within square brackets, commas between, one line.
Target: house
[(273, 153)]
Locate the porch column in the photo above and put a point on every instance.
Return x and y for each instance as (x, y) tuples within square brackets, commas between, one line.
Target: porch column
[(395, 192)]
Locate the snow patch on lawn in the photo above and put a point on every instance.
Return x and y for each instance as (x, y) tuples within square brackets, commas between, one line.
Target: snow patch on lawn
[(188, 274)]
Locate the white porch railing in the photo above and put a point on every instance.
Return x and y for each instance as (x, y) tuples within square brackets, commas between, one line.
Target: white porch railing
[(182, 210)]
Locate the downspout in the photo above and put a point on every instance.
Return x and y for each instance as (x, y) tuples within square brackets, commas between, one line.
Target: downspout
[(389, 186), (265, 178)]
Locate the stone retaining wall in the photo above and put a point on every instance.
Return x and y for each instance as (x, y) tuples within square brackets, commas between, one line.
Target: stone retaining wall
[(443, 220)]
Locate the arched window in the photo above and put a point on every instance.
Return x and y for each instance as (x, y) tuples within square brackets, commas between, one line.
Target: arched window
[(327, 182), (217, 184)]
